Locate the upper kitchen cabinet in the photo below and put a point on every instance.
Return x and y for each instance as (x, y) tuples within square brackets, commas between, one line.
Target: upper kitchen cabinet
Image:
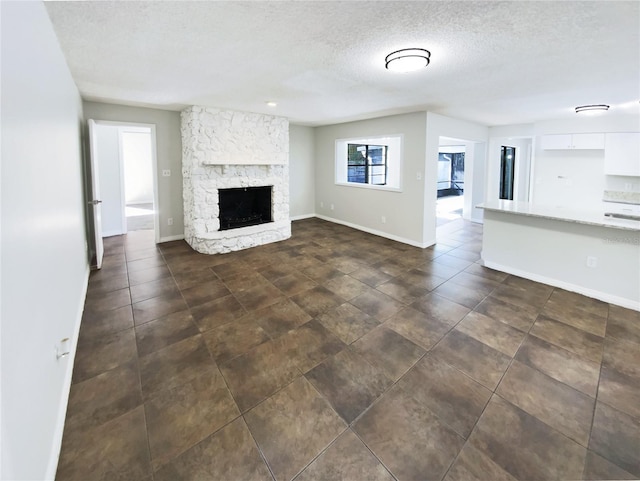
[(573, 141), (622, 154)]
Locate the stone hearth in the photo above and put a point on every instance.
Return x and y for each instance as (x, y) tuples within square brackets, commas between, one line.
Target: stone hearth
[(224, 149)]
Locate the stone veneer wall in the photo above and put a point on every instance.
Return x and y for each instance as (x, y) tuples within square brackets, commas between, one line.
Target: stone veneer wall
[(225, 149)]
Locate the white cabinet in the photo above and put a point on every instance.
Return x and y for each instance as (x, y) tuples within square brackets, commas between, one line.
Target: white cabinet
[(622, 154), (573, 141)]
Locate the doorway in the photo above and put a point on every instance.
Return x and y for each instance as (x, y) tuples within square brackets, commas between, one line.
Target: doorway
[(125, 158), (460, 188), (450, 190), (137, 178)]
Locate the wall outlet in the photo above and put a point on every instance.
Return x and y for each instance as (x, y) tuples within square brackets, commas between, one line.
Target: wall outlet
[(418, 175), (383, 219), (628, 186), (321, 204), (331, 206), (170, 221), (592, 262), (166, 173)]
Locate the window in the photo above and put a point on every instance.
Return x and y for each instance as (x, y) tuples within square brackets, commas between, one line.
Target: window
[(370, 162), (507, 171), (367, 164)]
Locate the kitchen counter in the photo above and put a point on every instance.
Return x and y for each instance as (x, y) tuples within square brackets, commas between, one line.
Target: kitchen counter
[(580, 251), (588, 217)]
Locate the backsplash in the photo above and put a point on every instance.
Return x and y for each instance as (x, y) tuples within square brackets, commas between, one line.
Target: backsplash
[(622, 197)]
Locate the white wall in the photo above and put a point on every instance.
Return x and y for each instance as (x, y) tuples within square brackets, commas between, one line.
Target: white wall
[(440, 126), (364, 207), (44, 256), (301, 171), (475, 178), (108, 153), (572, 179), (138, 168), (168, 153), (575, 178)]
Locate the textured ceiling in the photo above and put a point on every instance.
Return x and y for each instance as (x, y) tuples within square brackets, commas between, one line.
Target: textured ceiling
[(494, 63)]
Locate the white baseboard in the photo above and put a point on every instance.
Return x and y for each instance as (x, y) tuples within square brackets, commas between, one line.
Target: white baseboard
[(602, 296), (54, 456), (303, 216), (386, 235), (170, 238), (335, 221)]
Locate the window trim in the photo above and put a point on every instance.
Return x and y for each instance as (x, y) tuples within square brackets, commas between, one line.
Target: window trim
[(394, 164)]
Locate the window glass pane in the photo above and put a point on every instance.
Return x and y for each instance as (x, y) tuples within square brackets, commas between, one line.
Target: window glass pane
[(357, 174), (378, 170), (356, 154), (457, 167), (444, 171), (377, 154)]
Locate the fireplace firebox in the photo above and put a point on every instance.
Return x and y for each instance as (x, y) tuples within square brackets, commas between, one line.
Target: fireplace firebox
[(244, 206)]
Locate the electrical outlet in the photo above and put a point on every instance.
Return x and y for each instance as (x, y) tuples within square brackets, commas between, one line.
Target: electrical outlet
[(331, 206), (321, 204), (383, 219), (166, 173), (170, 221), (592, 262), (418, 175), (628, 186)]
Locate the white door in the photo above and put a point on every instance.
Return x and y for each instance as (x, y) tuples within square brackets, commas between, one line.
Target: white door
[(95, 188)]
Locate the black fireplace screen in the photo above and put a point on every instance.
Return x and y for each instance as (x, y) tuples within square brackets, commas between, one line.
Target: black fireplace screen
[(244, 206)]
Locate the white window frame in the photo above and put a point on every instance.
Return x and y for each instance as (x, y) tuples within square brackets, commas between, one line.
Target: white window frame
[(395, 144)]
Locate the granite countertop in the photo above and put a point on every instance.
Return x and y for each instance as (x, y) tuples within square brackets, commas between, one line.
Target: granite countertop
[(589, 217), (621, 197)]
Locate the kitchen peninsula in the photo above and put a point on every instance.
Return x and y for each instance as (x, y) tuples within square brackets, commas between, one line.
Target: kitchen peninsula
[(581, 251)]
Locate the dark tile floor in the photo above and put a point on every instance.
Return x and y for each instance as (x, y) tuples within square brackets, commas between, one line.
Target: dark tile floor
[(341, 355)]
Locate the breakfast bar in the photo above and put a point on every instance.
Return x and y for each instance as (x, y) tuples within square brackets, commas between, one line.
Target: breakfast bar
[(582, 251)]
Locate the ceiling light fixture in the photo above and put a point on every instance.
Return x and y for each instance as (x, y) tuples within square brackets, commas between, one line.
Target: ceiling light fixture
[(407, 59), (270, 103), (592, 108)]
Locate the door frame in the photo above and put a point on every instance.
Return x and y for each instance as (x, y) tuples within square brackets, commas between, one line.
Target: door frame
[(95, 231), (154, 169)]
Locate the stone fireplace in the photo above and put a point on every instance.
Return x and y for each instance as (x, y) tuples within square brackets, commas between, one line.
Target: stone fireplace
[(233, 161)]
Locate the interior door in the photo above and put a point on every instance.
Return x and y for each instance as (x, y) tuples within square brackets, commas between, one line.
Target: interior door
[(95, 192)]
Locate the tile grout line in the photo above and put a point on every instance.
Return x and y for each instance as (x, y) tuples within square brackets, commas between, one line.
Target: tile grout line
[(493, 391), (142, 398), (595, 402)]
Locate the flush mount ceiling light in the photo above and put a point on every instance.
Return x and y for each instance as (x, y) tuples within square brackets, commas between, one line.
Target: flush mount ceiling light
[(407, 59), (592, 108), (271, 103)]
